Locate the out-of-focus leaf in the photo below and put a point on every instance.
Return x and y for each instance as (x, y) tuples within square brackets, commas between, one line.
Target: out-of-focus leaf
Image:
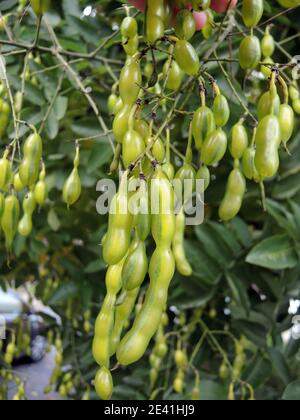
[(276, 253)]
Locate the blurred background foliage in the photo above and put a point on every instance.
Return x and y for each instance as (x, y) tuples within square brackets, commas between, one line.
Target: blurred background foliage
[(246, 272)]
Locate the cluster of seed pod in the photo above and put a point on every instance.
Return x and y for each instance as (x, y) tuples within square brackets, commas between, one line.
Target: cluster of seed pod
[(28, 184), (146, 158)]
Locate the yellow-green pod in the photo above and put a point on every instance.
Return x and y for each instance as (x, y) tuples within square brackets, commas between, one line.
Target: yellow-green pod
[(204, 174), (187, 58), (40, 190), (72, 187), (40, 6), (267, 44), (266, 70), (169, 170), (221, 110), (249, 169), (286, 119), (130, 82), (133, 147), (143, 218), (185, 26), (163, 218), (203, 125), (5, 170), (238, 141), (233, 199), (122, 314), (29, 167), (268, 138), (252, 12), (120, 123), (104, 384), (135, 266), (250, 52), (161, 270), (129, 27), (10, 219), (214, 147), (266, 104), (173, 75), (18, 186), (182, 264)]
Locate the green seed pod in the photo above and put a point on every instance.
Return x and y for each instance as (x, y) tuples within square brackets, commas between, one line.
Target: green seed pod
[(266, 70), (72, 187), (131, 45), (120, 124), (268, 138), (203, 125), (2, 202), (133, 147), (250, 52), (111, 103), (266, 104), (40, 6), (286, 119), (169, 170), (221, 110), (185, 26), (104, 384), (267, 45), (239, 140), (187, 58), (10, 219), (29, 167), (207, 31), (249, 169), (40, 190), (5, 170), (204, 174), (158, 149), (173, 75), (214, 147), (130, 81), (129, 27), (136, 266), (294, 93), (143, 218), (18, 186), (233, 199), (252, 12)]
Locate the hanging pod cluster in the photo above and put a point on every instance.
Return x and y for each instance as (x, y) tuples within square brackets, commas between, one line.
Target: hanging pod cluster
[(142, 212), (26, 183)]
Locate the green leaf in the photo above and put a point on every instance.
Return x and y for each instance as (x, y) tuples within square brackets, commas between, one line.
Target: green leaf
[(65, 292), (52, 125), (258, 371), (95, 266), (212, 391), (100, 154), (60, 107), (292, 391), (280, 365), (276, 253), (53, 220), (238, 290)]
